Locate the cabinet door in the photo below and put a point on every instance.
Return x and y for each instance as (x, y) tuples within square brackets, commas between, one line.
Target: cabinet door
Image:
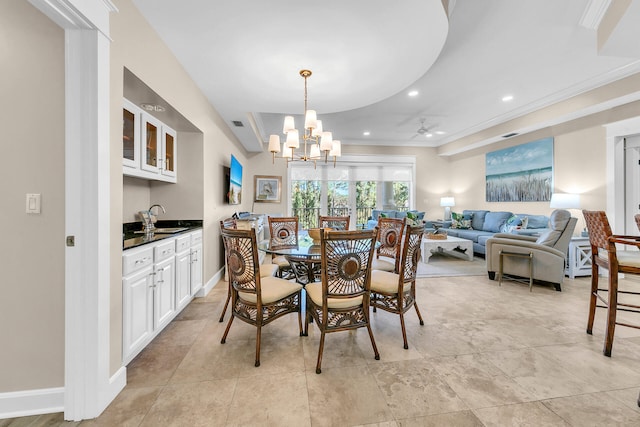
[(196, 269), (137, 310), (130, 134), (169, 151), (164, 306), (150, 143), (183, 278)]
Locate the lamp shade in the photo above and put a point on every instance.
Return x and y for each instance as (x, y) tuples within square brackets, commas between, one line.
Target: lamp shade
[(293, 140), (565, 201), (289, 124), (274, 143), (447, 201)]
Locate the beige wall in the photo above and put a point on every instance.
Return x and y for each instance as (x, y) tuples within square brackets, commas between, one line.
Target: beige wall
[(137, 47), (182, 200), (32, 111), (579, 167)]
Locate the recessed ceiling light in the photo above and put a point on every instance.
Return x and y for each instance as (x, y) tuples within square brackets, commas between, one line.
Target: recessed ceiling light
[(413, 93), (439, 132), (428, 135), (507, 98), (366, 133)]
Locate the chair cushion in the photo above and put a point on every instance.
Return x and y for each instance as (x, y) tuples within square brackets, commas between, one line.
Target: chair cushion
[(549, 237), (314, 290), (384, 281), (268, 270), (382, 264), (273, 289), (559, 219), (625, 258), (280, 261)]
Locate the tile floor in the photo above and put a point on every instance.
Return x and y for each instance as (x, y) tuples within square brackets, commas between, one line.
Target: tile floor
[(486, 356)]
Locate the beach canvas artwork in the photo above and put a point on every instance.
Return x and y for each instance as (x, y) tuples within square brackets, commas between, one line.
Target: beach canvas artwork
[(523, 173)]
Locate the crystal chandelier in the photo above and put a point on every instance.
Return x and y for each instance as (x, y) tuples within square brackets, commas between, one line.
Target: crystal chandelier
[(317, 143)]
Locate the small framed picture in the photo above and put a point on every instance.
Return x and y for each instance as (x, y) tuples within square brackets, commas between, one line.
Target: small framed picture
[(267, 188)]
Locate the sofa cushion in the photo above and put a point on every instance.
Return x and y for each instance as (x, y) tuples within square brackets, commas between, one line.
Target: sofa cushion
[(537, 221), (493, 221), (471, 234), (477, 218)]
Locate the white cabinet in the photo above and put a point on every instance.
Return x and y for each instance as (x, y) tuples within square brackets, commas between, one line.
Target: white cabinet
[(183, 271), (131, 116), (158, 281), (196, 262), (579, 257), (149, 147), (137, 287)]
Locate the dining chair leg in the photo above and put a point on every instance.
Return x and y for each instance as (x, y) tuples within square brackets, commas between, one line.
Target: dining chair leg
[(373, 343), (226, 303), (226, 331), (302, 334), (415, 305), (593, 298), (404, 331), (612, 311), (320, 349), (258, 335)]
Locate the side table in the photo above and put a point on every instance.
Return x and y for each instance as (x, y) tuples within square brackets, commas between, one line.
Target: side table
[(578, 258)]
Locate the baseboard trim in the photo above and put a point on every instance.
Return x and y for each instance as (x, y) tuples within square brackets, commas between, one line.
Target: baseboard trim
[(211, 283), (31, 402), (51, 400)]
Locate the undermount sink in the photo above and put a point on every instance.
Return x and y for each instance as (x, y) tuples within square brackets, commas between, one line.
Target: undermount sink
[(169, 230)]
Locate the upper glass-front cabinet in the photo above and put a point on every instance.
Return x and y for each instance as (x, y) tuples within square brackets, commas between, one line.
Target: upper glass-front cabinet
[(130, 134), (150, 143), (149, 147), (169, 151)]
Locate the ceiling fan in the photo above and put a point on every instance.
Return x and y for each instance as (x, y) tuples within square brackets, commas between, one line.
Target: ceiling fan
[(422, 130)]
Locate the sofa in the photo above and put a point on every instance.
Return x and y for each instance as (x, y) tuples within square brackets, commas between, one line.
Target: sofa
[(480, 225), (372, 222)]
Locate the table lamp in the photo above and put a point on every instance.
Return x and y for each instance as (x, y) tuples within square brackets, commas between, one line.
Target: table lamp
[(447, 203)]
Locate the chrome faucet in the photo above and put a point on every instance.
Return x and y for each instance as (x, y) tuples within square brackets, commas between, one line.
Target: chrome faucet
[(159, 206), (147, 218)]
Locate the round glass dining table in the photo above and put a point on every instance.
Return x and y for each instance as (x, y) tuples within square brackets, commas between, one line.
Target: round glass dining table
[(304, 257)]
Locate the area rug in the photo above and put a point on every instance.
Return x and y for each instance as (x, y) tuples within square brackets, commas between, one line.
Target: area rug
[(442, 265)]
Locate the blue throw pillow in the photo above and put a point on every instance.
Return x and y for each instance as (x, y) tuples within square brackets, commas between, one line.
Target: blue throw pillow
[(493, 221), (538, 221)]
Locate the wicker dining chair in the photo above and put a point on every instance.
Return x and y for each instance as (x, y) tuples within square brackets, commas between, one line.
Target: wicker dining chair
[(340, 302), (255, 300), (334, 222), (604, 254), (283, 232), (396, 293), (267, 269), (390, 240), (637, 218)]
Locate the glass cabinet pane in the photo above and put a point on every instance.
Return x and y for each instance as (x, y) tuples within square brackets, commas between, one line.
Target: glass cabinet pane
[(151, 144), (169, 150), (128, 135)]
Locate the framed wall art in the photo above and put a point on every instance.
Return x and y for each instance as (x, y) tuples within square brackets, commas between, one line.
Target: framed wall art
[(523, 173), (267, 188)]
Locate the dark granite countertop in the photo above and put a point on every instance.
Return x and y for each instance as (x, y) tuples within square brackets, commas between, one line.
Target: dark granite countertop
[(131, 239)]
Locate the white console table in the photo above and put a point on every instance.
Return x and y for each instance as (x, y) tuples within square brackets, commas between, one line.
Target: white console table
[(579, 258)]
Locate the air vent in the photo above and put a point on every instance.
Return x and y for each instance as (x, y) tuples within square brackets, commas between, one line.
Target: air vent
[(238, 123), (509, 135)]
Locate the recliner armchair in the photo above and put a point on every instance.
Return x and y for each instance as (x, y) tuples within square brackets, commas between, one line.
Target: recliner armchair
[(549, 251)]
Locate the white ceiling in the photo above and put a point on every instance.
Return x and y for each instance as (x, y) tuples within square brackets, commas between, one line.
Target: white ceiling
[(366, 55)]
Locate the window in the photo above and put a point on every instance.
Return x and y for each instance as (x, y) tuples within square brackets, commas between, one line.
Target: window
[(356, 186)]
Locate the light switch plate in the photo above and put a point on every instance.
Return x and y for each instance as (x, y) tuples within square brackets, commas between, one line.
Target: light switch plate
[(33, 203)]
